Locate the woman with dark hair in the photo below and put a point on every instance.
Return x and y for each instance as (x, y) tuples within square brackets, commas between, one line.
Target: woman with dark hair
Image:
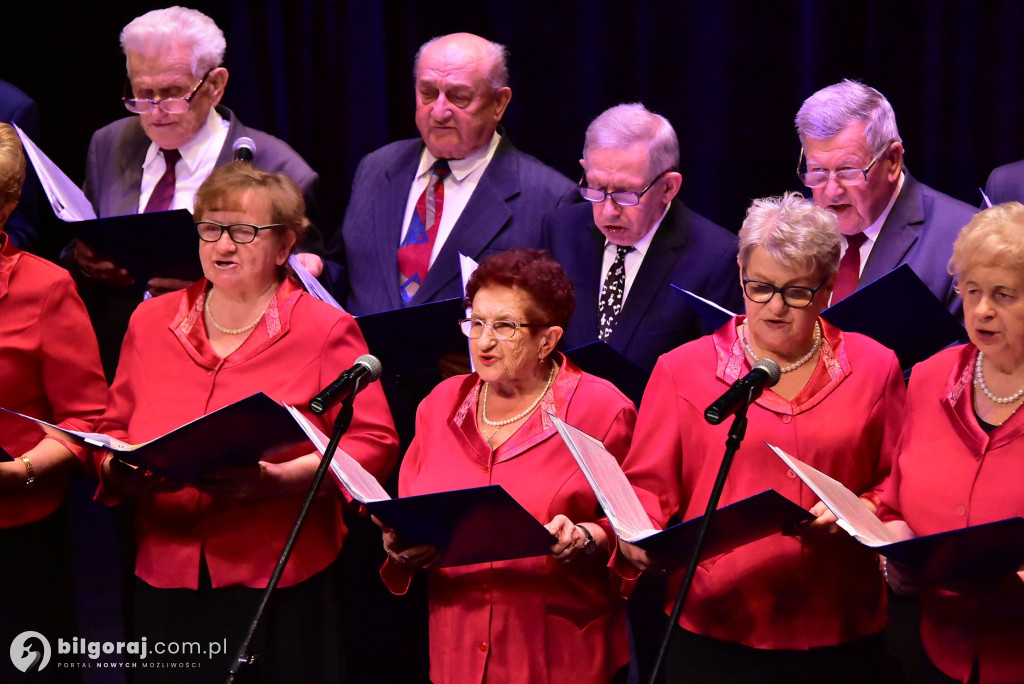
[(553, 618), (205, 549)]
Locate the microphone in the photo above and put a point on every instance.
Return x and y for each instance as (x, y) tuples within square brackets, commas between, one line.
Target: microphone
[(765, 373), (244, 149), (349, 383)]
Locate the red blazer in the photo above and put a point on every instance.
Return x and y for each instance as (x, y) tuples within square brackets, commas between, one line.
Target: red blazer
[(778, 592), (951, 474), (49, 369), (531, 620), (169, 375)]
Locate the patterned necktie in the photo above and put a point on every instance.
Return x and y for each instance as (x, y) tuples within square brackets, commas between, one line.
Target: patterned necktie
[(163, 191), (611, 293), (414, 254), (849, 268)]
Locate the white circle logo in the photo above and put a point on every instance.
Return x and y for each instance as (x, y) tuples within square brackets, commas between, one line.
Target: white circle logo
[(30, 651)]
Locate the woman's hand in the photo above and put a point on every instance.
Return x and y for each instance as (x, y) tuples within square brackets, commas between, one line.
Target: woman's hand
[(636, 556), (899, 578), (117, 476), (823, 528), (399, 551), (571, 541), (263, 480)]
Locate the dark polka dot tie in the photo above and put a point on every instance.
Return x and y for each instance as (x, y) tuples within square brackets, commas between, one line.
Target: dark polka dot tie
[(611, 293)]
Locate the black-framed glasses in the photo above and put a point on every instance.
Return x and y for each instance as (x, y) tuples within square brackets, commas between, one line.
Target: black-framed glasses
[(503, 329), (171, 105), (240, 233), (793, 296), (624, 198), (815, 179)]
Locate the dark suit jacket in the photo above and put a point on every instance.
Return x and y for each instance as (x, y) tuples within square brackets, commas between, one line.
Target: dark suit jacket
[(920, 231), (505, 211), (17, 107), (688, 250), (112, 183), (1006, 183)]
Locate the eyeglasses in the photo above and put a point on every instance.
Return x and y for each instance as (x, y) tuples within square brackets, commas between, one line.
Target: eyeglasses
[(240, 233), (624, 198), (171, 105), (815, 179), (505, 330), (793, 296)]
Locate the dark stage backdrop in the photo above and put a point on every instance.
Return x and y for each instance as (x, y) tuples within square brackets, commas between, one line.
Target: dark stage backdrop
[(334, 78)]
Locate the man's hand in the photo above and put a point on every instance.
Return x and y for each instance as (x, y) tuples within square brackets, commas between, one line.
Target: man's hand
[(100, 269)]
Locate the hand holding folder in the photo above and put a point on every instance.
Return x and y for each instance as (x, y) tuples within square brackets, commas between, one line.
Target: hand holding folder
[(466, 526), (734, 525), (973, 553)]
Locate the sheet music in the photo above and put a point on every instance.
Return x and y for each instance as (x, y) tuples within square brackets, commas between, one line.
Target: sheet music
[(67, 199), (613, 491), (311, 284), (467, 266), (353, 477), (853, 515), (710, 303), (984, 197)]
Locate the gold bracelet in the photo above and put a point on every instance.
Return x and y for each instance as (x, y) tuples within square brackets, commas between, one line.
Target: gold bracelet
[(30, 472)]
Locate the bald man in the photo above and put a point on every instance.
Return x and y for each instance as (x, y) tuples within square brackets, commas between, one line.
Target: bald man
[(491, 195)]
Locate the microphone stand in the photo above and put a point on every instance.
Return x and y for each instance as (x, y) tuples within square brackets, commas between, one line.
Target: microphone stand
[(737, 430), (341, 425)]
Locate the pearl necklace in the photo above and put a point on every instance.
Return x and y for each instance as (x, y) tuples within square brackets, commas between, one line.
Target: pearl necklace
[(236, 331), (979, 381), (522, 414), (794, 366)]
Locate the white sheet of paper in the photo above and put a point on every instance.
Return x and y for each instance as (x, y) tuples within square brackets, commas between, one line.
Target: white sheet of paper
[(613, 491), (706, 301), (67, 199), (311, 284), (467, 266), (353, 477), (853, 516)]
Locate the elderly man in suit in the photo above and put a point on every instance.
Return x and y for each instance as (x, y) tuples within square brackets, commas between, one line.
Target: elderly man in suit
[(854, 167), (158, 159), (460, 187), (1006, 183), (634, 239)]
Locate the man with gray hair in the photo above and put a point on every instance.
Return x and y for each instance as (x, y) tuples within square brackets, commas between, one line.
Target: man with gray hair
[(460, 187), (854, 167), (156, 159), (633, 240)]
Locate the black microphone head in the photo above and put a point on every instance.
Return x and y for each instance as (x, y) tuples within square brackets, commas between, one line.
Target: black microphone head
[(770, 367), (372, 365), (244, 149)]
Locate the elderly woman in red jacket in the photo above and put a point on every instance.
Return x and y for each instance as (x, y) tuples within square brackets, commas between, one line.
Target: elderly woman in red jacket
[(206, 548), (808, 606), (49, 369), (961, 459), (556, 618)]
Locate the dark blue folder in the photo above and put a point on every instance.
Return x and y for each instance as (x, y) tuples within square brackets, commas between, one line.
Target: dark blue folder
[(163, 244), (601, 359), (478, 525), (980, 552), (900, 312), (732, 526)]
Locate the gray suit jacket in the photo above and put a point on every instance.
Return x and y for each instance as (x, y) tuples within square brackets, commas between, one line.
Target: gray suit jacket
[(1006, 183), (113, 173), (920, 231), (505, 211)]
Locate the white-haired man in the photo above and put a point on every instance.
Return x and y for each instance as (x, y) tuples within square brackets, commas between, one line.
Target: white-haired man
[(634, 239), (854, 167), (175, 84)]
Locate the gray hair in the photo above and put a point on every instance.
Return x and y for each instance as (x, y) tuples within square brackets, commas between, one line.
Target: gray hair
[(794, 232), (628, 124), (495, 54), (828, 111), (162, 28)]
